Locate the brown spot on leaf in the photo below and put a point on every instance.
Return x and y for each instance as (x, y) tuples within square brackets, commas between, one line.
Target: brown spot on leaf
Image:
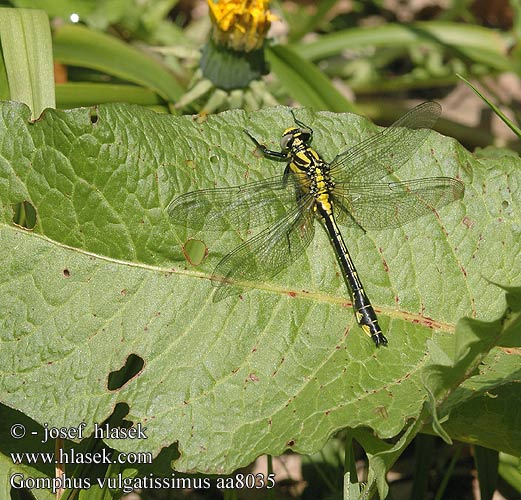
[(468, 222)]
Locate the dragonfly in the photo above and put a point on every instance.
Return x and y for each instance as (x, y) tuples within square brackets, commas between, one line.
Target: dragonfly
[(350, 190)]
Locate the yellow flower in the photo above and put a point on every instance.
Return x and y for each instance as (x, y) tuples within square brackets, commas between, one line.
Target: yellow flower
[(240, 25)]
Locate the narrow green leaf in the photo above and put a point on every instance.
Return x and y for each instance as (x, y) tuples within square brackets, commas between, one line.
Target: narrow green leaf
[(26, 46), (480, 44), (351, 484), (509, 123), (76, 95), (432, 407), (79, 46), (4, 83), (440, 493), (305, 82), (487, 467), (510, 470), (102, 277), (424, 452)]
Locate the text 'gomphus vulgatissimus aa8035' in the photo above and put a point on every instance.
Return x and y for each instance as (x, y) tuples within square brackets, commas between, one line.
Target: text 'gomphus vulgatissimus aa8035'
[(348, 190)]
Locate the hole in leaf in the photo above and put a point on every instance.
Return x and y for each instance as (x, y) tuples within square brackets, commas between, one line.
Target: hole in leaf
[(167, 455), (195, 251), (66, 273), (133, 365), (117, 418), (24, 214), (118, 415), (19, 492), (214, 159), (505, 204), (93, 115)]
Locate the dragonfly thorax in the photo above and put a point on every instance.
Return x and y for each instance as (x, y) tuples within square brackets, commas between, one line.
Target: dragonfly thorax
[(313, 175), (295, 137)]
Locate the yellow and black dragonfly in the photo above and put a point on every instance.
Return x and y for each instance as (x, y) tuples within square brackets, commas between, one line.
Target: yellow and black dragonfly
[(346, 191)]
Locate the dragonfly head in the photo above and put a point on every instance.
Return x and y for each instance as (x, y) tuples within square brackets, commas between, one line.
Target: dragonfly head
[(292, 134)]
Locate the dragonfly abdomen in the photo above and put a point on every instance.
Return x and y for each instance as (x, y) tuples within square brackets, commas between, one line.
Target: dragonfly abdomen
[(364, 311)]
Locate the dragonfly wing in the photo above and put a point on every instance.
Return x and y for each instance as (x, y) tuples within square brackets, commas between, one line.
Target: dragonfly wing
[(386, 151), (266, 254), (380, 206), (242, 207)]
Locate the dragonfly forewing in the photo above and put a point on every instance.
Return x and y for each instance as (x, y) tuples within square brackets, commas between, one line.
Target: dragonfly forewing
[(385, 152)]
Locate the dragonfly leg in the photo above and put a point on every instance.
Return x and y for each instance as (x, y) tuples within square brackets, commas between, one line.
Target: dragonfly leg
[(277, 155), (301, 124)]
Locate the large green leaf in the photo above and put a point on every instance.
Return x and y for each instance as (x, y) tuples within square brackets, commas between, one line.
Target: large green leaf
[(102, 276)]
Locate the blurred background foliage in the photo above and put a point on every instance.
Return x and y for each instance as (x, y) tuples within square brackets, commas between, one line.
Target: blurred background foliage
[(377, 58), (369, 57)]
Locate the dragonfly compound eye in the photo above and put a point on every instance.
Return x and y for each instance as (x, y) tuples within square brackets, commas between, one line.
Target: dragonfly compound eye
[(287, 140)]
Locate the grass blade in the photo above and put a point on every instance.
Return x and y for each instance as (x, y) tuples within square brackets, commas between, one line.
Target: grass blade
[(306, 82), (509, 123), (487, 461)]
